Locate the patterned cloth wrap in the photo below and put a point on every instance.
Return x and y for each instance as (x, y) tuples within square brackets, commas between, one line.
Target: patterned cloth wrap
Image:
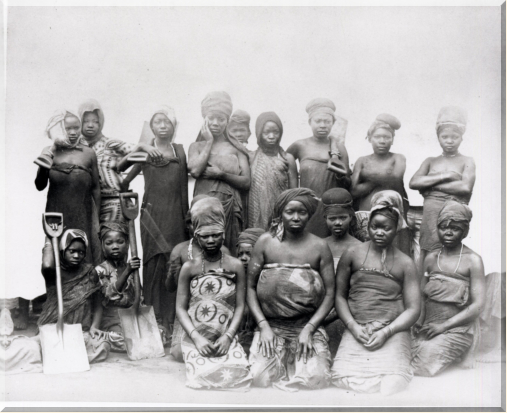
[(289, 295), (211, 309), (446, 295), (375, 300)]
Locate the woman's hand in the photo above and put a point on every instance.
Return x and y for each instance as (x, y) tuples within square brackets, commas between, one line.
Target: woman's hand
[(96, 333), (203, 345), (305, 344), (124, 186), (432, 329), (154, 153), (205, 132), (212, 172), (359, 333), (267, 341), (133, 264), (377, 340), (222, 345)]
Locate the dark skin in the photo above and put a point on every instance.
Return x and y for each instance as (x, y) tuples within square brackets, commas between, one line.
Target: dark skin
[(85, 157), (471, 265), (338, 223), (382, 231), (379, 171), (215, 143), (211, 245), (298, 247)]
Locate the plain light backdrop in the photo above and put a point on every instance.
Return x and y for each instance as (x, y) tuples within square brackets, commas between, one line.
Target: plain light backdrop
[(405, 61)]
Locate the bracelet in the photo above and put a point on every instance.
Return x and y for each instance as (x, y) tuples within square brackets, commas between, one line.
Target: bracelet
[(261, 321), (231, 337), (348, 322), (313, 325), (190, 335), (338, 154)]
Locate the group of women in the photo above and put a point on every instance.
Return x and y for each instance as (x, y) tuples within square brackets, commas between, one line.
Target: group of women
[(328, 251)]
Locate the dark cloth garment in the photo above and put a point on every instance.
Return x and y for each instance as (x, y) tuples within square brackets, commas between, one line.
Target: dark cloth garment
[(70, 193), (228, 196), (433, 204), (314, 175), (446, 294), (77, 297), (165, 205)]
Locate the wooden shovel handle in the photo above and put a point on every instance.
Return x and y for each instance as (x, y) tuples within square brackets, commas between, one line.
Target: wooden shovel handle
[(133, 253)]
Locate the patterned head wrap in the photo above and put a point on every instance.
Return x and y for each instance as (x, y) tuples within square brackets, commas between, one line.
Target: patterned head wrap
[(389, 204), (456, 212), (208, 216), (108, 226), (55, 129), (384, 121), (452, 117), (304, 195), (264, 118), (250, 236), (320, 105), (217, 101), (71, 235), (91, 105)]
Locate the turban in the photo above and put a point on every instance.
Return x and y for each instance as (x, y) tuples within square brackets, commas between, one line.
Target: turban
[(55, 129), (452, 117), (208, 216), (335, 199), (304, 195), (264, 118), (217, 101), (107, 226), (91, 105), (389, 204), (241, 118), (384, 121), (71, 235), (320, 105), (454, 211), (250, 236)]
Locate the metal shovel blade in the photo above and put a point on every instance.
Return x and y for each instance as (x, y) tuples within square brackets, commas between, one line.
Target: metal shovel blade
[(57, 358), (148, 344)]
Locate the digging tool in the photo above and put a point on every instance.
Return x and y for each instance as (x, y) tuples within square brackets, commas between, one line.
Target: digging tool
[(338, 132), (140, 329), (63, 346)]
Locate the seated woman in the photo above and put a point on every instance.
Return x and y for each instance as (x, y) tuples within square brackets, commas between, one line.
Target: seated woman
[(378, 299), (454, 288), (210, 304), (290, 292), (116, 283), (79, 287), (70, 168), (382, 170)]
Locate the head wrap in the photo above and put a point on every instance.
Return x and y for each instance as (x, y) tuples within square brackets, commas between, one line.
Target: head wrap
[(250, 236), (384, 121), (261, 121), (71, 235), (240, 117), (335, 199), (55, 129), (304, 195), (452, 117), (454, 211), (318, 106), (389, 204), (107, 226), (91, 105), (217, 101), (208, 216), (169, 113)]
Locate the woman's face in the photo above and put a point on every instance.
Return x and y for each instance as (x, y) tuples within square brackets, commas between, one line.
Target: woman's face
[(162, 126), (75, 253), (211, 243), (450, 234), (270, 136), (72, 127), (449, 140), (245, 253), (321, 125), (381, 141), (115, 245), (91, 124), (295, 216), (240, 132), (382, 230), (217, 122), (338, 223)]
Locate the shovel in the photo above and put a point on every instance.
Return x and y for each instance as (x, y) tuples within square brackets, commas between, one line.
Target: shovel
[(140, 329), (63, 346), (336, 136)]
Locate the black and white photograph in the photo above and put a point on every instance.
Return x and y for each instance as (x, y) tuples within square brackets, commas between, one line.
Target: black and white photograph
[(226, 206)]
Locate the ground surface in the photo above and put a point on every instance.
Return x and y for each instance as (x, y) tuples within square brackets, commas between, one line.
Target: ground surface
[(163, 381)]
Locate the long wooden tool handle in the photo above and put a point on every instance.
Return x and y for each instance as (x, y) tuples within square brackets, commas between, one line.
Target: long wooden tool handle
[(59, 323), (133, 252)]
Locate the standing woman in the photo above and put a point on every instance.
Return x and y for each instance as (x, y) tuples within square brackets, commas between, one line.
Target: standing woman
[(219, 163), (70, 168), (165, 205), (273, 171), (382, 170)]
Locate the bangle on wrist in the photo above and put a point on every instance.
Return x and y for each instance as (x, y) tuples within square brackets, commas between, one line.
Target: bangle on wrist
[(230, 336), (261, 321), (348, 322), (313, 325), (190, 335)]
